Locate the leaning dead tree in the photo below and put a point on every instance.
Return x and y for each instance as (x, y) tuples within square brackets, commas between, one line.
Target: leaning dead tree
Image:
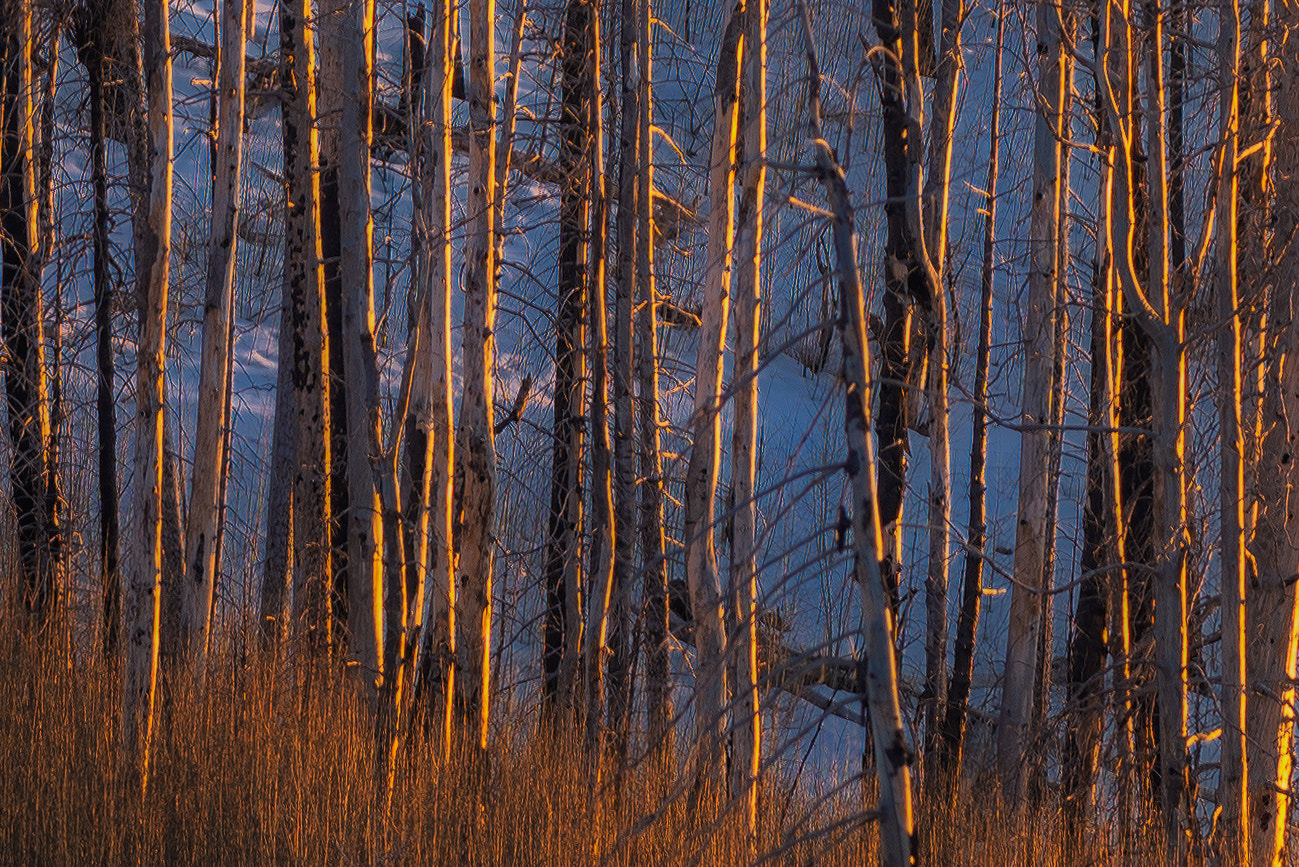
[(892, 755)]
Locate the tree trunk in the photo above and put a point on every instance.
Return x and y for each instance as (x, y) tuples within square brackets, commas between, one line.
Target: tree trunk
[(563, 630), (1161, 318), (1233, 785), (604, 530), (711, 695), (967, 624), (94, 35), (277, 577), (205, 502), (476, 433), (654, 595), (893, 757), (22, 319), (909, 279), (434, 666), (624, 351), (746, 737), (435, 656), (1085, 682), (143, 590), (312, 385), (1023, 643), (365, 540), (938, 191), (1272, 598)]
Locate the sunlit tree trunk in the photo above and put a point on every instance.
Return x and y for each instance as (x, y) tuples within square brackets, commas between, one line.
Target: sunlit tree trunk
[(1039, 361), (365, 541), (205, 504), (435, 656), (475, 433), (1160, 316), (312, 617), (1272, 601), (1234, 826), (746, 738), (22, 318), (604, 530), (711, 695), (624, 350), (142, 604), (938, 194), (658, 690), (892, 755)]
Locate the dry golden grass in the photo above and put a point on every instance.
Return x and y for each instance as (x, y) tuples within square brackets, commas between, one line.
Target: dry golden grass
[(265, 767)]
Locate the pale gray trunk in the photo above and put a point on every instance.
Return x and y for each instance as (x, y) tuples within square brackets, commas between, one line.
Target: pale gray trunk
[(624, 433), (711, 695), (205, 504), (1039, 362)]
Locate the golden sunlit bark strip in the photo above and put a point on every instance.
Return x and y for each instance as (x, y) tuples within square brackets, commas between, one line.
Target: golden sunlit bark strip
[(604, 528)]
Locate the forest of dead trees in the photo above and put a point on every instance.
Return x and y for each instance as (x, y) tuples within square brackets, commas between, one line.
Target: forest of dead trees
[(1145, 651)]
